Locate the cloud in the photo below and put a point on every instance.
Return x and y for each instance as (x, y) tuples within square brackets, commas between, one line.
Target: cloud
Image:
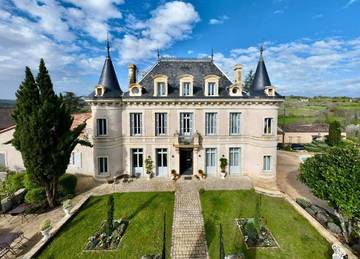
[(170, 22), (218, 20), (278, 11), (304, 67), (318, 16), (349, 3)]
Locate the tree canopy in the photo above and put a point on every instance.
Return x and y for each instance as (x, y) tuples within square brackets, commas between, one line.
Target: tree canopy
[(249, 81), (334, 176), (43, 132)]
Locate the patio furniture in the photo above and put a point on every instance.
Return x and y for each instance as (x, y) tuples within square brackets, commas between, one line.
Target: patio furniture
[(20, 211), (10, 241)]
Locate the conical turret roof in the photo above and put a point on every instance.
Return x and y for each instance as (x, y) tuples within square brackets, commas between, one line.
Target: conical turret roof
[(261, 78)]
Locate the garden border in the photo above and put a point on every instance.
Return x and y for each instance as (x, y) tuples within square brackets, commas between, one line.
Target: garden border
[(41, 244), (320, 228), (257, 247)]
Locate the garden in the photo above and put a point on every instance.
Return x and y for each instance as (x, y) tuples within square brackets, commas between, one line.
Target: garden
[(282, 232), (137, 228)]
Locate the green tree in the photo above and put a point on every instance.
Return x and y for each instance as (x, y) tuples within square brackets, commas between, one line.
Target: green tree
[(334, 137), (43, 132), (249, 81), (110, 216), (73, 102), (334, 176)]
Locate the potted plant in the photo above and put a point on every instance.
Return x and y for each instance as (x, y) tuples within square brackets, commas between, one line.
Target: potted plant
[(223, 165), (149, 166), (202, 174), (67, 207), (45, 229), (174, 175)]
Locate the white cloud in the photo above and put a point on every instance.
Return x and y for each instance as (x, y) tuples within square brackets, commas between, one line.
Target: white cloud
[(305, 67), (170, 22), (318, 16), (350, 2), (218, 20), (278, 11)]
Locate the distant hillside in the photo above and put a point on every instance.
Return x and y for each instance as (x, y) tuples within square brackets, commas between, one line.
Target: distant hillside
[(301, 110), (7, 103)]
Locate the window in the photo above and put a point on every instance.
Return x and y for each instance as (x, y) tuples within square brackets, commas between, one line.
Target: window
[(267, 163), (135, 124), (160, 124), (161, 162), (210, 161), (161, 88), (234, 157), (268, 126), (210, 123), (137, 161), (185, 123), (101, 127), (103, 165), (234, 123), (186, 88), (211, 89)]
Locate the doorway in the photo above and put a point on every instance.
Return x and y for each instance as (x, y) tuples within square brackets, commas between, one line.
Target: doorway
[(186, 161)]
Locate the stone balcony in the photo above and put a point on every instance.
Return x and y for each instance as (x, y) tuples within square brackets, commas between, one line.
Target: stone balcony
[(187, 141)]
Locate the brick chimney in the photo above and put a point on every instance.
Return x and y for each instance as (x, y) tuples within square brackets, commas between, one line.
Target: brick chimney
[(132, 73), (238, 73)]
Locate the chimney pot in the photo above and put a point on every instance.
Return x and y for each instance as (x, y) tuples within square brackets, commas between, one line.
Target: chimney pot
[(132, 73), (238, 73)]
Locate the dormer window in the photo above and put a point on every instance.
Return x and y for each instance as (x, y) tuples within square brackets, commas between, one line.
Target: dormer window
[(212, 85), (186, 85), (99, 91), (160, 85), (270, 90), (186, 89), (135, 89), (161, 89), (211, 88)]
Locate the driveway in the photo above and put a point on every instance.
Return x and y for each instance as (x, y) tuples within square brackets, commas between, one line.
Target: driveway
[(287, 173)]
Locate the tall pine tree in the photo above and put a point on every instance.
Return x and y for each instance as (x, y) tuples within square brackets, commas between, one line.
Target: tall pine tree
[(43, 132), (249, 81)]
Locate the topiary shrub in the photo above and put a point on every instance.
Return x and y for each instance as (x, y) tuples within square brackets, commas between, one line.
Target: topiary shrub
[(67, 185), (29, 183), (13, 182), (36, 197)]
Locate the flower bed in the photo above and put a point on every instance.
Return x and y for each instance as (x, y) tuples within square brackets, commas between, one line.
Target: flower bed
[(254, 238), (102, 241)]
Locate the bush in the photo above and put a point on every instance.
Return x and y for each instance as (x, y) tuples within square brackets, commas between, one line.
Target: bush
[(14, 182), (29, 183), (67, 185), (251, 232), (36, 196)]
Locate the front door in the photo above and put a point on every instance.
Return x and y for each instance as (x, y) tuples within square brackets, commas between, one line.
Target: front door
[(161, 162), (137, 162), (186, 161)]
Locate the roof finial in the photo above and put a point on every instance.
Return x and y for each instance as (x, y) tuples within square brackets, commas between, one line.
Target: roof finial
[(158, 53), (212, 54), (261, 51), (107, 45)]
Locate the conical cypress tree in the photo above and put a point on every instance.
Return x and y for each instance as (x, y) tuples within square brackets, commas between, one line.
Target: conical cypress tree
[(43, 132)]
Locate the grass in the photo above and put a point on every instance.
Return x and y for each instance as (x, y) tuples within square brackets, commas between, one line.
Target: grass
[(143, 236), (296, 237)]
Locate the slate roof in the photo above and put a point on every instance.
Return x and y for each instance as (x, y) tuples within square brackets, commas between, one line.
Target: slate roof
[(108, 79), (261, 78), (174, 68), (314, 127)]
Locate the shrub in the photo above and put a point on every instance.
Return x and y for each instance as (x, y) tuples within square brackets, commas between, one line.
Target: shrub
[(223, 163), (67, 185), (334, 137), (45, 225), (66, 204), (29, 183), (14, 182), (250, 231), (110, 216), (36, 196)]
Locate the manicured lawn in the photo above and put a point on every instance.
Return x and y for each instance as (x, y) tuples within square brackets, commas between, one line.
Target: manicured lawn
[(296, 237), (143, 236)]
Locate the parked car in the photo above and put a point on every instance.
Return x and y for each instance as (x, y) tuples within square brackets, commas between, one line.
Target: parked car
[(297, 147)]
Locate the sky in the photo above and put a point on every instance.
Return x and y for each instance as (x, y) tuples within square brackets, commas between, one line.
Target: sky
[(311, 47)]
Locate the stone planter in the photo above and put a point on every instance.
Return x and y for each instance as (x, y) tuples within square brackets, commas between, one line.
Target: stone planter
[(67, 212), (148, 176), (46, 234), (223, 175)]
